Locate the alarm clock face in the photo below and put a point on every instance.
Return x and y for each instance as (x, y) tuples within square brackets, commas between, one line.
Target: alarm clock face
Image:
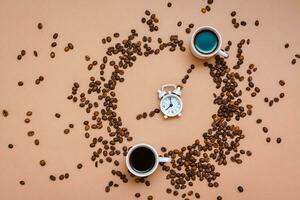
[(171, 105)]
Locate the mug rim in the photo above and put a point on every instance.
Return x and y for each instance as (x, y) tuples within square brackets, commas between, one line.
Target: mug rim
[(195, 51), (138, 173)]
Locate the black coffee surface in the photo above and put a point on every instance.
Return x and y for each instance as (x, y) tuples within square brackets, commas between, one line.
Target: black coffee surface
[(142, 159)]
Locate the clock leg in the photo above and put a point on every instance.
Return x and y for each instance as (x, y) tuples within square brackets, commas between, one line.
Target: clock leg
[(165, 116)]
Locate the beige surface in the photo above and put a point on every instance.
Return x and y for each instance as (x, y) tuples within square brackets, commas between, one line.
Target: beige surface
[(271, 173)]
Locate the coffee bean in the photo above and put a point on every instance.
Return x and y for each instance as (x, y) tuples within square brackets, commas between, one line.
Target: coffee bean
[(29, 113), (169, 4), (258, 121), (276, 99), (197, 195), (116, 35), (71, 125), (191, 25), (268, 139), (42, 162), (19, 57), (163, 149), (23, 52), (53, 44), (61, 177), (67, 175), (66, 49), (147, 183), (36, 142), (256, 23), (179, 23), (265, 129), (286, 45), (79, 166), (169, 190), (203, 10), (293, 61), (278, 140), (240, 189), (70, 45), (147, 12), (107, 189), (20, 83), (22, 182), (188, 30), (55, 35), (5, 113), (57, 115), (144, 115), (40, 25), (35, 53), (297, 55), (281, 82), (52, 54), (271, 103), (137, 195), (243, 23), (10, 146), (248, 153), (219, 197), (281, 95), (30, 133), (27, 120), (52, 177), (233, 13), (66, 131), (150, 197), (266, 99)]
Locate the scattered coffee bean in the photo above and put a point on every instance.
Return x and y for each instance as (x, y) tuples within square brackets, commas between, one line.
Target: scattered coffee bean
[(22, 182), (5, 113), (258, 121), (293, 61), (137, 195), (79, 166), (265, 129), (57, 115), (268, 139), (240, 189), (278, 140), (169, 4), (256, 23), (10, 146), (35, 53), (27, 120), (36, 142), (42, 162), (40, 25), (30, 133), (55, 36), (20, 83), (52, 177), (233, 13), (281, 82), (52, 54), (286, 45)]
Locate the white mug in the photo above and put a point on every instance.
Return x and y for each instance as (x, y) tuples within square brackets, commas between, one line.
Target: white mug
[(158, 159), (217, 51)]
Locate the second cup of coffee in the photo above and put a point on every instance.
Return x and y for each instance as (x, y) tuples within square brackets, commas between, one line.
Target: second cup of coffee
[(142, 160)]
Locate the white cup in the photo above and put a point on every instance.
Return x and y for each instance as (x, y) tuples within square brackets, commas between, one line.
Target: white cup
[(217, 51), (158, 159)]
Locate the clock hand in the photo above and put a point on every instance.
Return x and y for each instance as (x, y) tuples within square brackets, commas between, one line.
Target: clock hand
[(170, 102)]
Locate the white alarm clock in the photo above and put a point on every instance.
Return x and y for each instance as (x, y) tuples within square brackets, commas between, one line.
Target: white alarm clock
[(170, 102)]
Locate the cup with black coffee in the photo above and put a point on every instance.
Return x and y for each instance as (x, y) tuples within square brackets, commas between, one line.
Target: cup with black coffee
[(142, 160)]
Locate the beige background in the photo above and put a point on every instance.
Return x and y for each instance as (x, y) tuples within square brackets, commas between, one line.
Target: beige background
[(271, 173)]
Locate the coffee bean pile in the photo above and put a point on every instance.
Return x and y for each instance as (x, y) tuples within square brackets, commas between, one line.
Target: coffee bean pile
[(39, 80), (145, 114), (270, 101), (207, 7), (151, 20), (60, 177), (236, 24), (189, 28), (188, 71), (21, 55)]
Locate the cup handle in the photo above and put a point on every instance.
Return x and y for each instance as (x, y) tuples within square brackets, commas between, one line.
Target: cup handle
[(164, 159), (222, 53)]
